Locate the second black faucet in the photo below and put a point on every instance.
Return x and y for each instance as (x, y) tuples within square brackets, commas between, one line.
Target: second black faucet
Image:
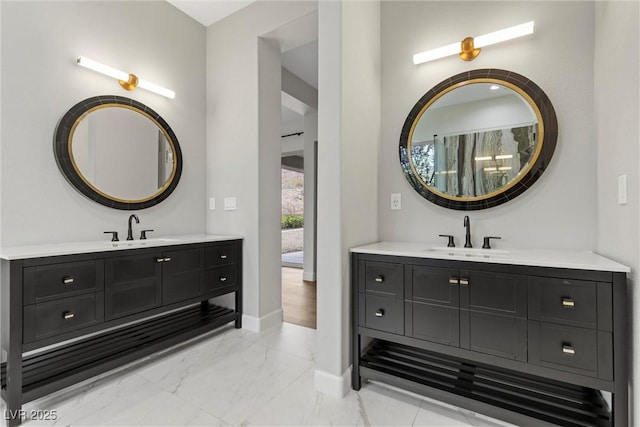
[(129, 230), (467, 225)]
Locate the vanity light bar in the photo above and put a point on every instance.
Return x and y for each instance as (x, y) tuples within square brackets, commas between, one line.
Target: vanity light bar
[(469, 48), (127, 81)]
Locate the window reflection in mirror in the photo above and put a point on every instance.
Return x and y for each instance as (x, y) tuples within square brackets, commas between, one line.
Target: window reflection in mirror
[(474, 140)]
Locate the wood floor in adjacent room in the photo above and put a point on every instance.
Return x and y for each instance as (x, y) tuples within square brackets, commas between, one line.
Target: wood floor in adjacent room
[(298, 298)]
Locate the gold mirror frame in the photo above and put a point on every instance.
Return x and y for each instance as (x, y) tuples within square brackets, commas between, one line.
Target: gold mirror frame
[(547, 126), (63, 143)]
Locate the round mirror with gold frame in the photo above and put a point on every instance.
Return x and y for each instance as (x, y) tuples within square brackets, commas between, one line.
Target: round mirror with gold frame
[(478, 139), (118, 152)]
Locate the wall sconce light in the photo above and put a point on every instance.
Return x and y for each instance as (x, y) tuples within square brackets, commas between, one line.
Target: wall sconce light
[(127, 81), (470, 47)]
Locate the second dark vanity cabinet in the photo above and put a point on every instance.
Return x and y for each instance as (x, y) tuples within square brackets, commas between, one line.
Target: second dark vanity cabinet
[(528, 344)]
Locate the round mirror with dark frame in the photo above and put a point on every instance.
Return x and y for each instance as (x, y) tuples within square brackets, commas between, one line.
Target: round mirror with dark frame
[(118, 152), (478, 139)]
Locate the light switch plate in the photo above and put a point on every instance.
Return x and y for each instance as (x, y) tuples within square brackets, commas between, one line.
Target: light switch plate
[(229, 203), (212, 203), (396, 201), (622, 189)]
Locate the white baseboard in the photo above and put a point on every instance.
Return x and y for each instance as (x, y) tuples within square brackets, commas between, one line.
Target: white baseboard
[(333, 385), (258, 324), (309, 276)]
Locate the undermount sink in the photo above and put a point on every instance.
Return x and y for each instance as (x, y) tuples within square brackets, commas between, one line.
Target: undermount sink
[(143, 242), (470, 252)]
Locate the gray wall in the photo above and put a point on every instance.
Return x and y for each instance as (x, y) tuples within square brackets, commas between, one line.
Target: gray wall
[(41, 81), (558, 211), (348, 150), (243, 145), (617, 96)]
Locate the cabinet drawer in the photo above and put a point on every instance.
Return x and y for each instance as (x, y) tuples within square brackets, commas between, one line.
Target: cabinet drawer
[(382, 278), (181, 260), (63, 315), (571, 302), (50, 281), (382, 313), (220, 277), (567, 348), (221, 255)]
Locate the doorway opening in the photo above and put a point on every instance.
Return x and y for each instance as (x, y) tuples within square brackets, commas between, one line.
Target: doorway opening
[(298, 295)]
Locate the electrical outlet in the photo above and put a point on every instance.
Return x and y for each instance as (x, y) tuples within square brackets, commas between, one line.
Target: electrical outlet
[(396, 201), (622, 189), (212, 203), (229, 203)]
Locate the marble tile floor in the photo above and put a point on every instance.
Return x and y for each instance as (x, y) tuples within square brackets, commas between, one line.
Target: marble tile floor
[(238, 378)]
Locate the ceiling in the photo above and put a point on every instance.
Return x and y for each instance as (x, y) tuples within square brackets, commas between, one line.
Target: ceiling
[(207, 12)]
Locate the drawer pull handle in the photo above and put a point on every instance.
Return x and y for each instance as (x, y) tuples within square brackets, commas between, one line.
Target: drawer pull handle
[(380, 313), (568, 302), (453, 280), (223, 279), (567, 349), (464, 281), (166, 259), (68, 315), (159, 259), (67, 280), (223, 256), (379, 279)]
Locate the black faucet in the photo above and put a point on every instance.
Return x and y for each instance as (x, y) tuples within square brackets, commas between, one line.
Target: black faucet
[(129, 230), (467, 225)]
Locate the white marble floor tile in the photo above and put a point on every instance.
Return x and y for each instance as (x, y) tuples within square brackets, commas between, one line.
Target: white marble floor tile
[(234, 386), (171, 368), (301, 405), (435, 415), (292, 339), (480, 420)]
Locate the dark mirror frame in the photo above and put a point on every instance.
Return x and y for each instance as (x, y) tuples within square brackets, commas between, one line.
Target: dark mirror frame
[(62, 152), (549, 127)]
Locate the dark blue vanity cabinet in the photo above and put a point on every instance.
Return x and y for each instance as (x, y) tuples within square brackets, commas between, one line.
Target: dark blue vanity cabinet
[(67, 318), (530, 345)]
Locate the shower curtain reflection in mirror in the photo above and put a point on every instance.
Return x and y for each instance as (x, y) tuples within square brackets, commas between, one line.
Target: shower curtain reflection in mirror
[(477, 163)]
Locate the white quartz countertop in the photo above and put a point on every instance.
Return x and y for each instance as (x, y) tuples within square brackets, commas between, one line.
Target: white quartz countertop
[(533, 257), (55, 249)]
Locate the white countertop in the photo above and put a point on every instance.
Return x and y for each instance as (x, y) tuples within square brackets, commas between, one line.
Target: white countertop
[(54, 249), (533, 257)]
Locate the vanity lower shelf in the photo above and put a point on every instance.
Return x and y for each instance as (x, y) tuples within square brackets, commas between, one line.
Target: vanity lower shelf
[(542, 399), (52, 370)]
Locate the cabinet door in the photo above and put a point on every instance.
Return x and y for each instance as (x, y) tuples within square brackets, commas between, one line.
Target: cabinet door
[(432, 312), (132, 285), (493, 313), (182, 275)]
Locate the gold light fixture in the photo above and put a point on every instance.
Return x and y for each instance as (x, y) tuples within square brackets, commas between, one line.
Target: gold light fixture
[(126, 80), (469, 48)]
